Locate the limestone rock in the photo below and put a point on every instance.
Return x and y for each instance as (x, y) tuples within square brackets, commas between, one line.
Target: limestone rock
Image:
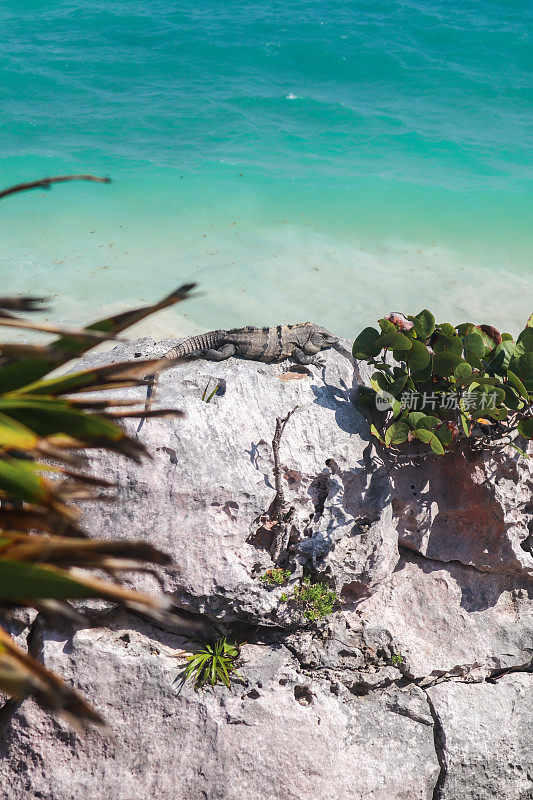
[(280, 735), (387, 699), (458, 596), (440, 616)]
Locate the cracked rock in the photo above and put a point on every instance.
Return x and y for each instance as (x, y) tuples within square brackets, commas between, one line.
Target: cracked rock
[(486, 744), (438, 616)]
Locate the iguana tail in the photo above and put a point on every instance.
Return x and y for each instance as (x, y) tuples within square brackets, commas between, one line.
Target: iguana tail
[(194, 346)]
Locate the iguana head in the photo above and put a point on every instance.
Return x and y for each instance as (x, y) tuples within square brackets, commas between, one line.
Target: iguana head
[(322, 337)]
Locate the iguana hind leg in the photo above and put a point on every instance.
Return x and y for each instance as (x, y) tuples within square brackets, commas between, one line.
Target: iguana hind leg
[(221, 353)]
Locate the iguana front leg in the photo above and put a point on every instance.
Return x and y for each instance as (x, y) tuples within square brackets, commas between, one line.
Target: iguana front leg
[(220, 353), (303, 358), (150, 395)]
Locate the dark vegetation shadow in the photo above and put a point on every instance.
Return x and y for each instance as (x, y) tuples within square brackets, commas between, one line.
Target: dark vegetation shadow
[(479, 590), (342, 401)]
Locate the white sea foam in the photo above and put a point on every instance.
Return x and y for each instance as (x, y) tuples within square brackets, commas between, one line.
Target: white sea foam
[(264, 276)]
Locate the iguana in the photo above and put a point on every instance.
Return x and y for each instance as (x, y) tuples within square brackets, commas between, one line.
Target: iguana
[(302, 342)]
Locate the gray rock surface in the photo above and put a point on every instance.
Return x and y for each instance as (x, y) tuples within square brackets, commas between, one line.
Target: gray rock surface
[(397, 695)]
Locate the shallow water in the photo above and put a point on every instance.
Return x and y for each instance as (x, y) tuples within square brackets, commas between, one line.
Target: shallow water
[(328, 161)]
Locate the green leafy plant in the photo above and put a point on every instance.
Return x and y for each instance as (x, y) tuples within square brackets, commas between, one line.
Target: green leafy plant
[(439, 382), (214, 663), (276, 576), (46, 425), (396, 659), (315, 599)]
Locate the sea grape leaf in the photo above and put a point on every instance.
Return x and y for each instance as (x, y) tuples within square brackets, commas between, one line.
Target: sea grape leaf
[(478, 379), (444, 363), (424, 324), (512, 398), (396, 433), (450, 344), (447, 329), (465, 328), (501, 357), (365, 346), (517, 384), (428, 422), (388, 333), (400, 344), (524, 343), (486, 397), (397, 408), (525, 428), (523, 369), (392, 338), (445, 436), (381, 382), (374, 431), (418, 357), (498, 414), (465, 424), (462, 371), (423, 375), (473, 343), (428, 437), (488, 341), (474, 360), (414, 417)]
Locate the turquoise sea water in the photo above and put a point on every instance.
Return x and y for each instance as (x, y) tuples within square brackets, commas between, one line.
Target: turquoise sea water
[(328, 159)]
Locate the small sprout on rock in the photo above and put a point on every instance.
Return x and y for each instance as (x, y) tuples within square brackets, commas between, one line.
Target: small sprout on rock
[(397, 659), (276, 576), (208, 397)]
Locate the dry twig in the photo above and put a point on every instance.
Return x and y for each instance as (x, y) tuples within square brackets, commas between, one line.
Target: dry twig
[(45, 183), (280, 514)]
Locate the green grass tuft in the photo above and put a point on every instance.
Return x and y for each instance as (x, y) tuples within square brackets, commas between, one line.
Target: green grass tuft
[(214, 663)]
